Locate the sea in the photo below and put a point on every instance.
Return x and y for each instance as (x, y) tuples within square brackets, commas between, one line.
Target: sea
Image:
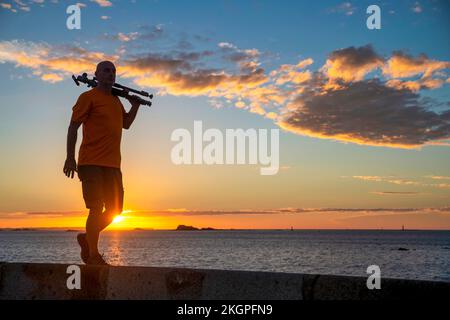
[(408, 254)]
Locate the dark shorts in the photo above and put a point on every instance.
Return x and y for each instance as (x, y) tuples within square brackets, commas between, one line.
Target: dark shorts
[(102, 186)]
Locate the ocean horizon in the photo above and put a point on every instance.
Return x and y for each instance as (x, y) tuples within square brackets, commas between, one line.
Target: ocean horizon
[(409, 254)]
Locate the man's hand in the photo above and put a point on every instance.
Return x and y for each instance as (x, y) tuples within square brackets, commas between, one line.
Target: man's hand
[(134, 100), (70, 166), (130, 115)]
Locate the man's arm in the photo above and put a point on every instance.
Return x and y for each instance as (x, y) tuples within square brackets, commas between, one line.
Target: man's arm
[(70, 166), (128, 118)]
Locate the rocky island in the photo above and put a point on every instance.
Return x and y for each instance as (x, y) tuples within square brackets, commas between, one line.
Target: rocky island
[(182, 227)]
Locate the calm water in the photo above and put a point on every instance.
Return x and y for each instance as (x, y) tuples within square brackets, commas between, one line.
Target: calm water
[(319, 251)]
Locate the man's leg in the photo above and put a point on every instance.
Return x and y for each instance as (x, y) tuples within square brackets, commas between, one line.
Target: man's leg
[(98, 220), (101, 186), (92, 183), (113, 195), (93, 228), (95, 223), (106, 219)]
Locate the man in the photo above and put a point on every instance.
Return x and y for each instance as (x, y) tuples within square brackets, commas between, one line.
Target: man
[(103, 117)]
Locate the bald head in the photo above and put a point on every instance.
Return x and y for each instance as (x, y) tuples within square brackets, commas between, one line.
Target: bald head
[(105, 73), (104, 64)]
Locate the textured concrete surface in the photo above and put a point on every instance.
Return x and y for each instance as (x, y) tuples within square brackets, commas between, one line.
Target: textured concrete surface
[(48, 281)]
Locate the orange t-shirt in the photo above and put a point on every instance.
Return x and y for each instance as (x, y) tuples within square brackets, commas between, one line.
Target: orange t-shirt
[(102, 118)]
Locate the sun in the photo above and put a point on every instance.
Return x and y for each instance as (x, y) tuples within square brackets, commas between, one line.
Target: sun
[(118, 219)]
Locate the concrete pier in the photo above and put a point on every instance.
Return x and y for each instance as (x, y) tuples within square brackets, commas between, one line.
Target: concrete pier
[(31, 281)]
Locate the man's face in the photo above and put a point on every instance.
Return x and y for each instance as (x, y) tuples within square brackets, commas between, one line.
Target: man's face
[(106, 74)]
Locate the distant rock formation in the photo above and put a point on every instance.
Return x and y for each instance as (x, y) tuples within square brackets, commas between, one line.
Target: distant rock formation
[(182, 227)]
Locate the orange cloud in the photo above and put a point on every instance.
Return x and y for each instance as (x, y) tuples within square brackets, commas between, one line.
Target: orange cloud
[(352, 64), (336, 102), (51, 77), (40, 56), (127, 37), (427, 83), (401, 65), (103, 3), (387, 179), (5, 5), (401, 181), (288, 73), (439, 177), (365, 112)]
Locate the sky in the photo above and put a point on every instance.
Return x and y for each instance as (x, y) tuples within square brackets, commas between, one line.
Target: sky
[(364, 115)]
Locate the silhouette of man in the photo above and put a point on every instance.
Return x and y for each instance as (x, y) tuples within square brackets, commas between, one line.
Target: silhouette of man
[(103, 117)]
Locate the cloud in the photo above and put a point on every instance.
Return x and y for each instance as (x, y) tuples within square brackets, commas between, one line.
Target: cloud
[(401, 181), (145, 33), (421, 84), (46, 214), (151, 32), (417, 8), (43, 57), (407, 193), (8, 6), (178, 73), (292, 73), (236, 55), (215, 212), (401, 65), (273, 116), (105, 17), (278, 211), (226, 45), (366, 112), (387, 179), (127, 37), (197, 82), (352, 64), (52, 77), (22, 6), (346, 8), (438, 177), (338, 101), (103, 3), (246, 59), (52, 213), (157, 62)]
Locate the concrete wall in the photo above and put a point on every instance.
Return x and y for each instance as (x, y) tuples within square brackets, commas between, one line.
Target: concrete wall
[(48, 281)]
